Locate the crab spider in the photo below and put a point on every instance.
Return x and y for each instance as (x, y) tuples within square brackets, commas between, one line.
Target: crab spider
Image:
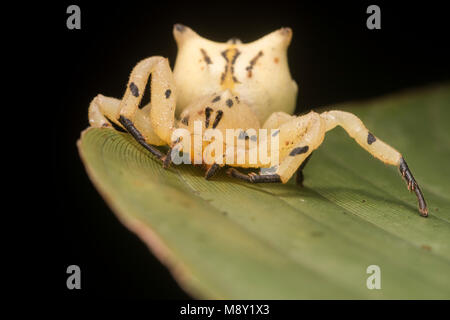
[(232, 86)]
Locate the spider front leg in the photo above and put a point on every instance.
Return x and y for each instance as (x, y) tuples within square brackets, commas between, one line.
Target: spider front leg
[(412, 185), (274, 121), (380, 150), (153, 125), (254, 177), (104, 112), (304, 134), (211, 170), (300, 176), (163, 99)]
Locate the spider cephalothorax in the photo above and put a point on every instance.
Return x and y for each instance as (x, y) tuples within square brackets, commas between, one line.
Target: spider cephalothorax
[(224, 86)]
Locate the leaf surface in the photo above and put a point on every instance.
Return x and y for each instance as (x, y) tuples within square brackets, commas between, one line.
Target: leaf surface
[(227, 239)]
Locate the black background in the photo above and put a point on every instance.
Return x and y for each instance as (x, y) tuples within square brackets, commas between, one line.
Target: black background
[(333, 57)]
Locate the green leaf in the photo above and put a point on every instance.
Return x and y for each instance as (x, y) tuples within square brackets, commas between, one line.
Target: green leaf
[(228, 239)]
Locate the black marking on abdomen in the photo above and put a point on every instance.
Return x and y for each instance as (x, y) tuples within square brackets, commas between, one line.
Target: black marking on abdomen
[(134, 89), (229, 103), (299, 150), (236, 54), (229, 66), (371, 138), (216, 99), (217, 119), (168, 93), (252, 63), (206, 57), (208, 111)]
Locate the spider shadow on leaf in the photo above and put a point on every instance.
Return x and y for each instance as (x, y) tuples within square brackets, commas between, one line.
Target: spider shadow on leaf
[(361, 197), (290, 189)]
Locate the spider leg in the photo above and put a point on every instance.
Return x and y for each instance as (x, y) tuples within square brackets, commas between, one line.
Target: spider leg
[(274, 121), (104, 112), (380, 150), (163, 97), (412, 185), (167, 158), (152, 125), (254, 177), (211, 171), (129, 126), (298, 137), (300, 177)]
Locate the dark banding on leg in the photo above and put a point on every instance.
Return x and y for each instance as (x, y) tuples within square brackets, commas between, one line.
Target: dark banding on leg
[(371, 138), (239, 175), (254, 178), (412, 185), (266, 178), (300, 177), (167, 159), (138, 136), (134, 89), (115, 126), (212, 171)]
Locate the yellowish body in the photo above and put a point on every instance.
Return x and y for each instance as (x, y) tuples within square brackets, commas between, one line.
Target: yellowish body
[(232, 86)]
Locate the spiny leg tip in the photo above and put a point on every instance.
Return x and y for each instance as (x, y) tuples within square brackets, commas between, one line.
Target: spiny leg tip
[(424, 212), (413, 186)]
